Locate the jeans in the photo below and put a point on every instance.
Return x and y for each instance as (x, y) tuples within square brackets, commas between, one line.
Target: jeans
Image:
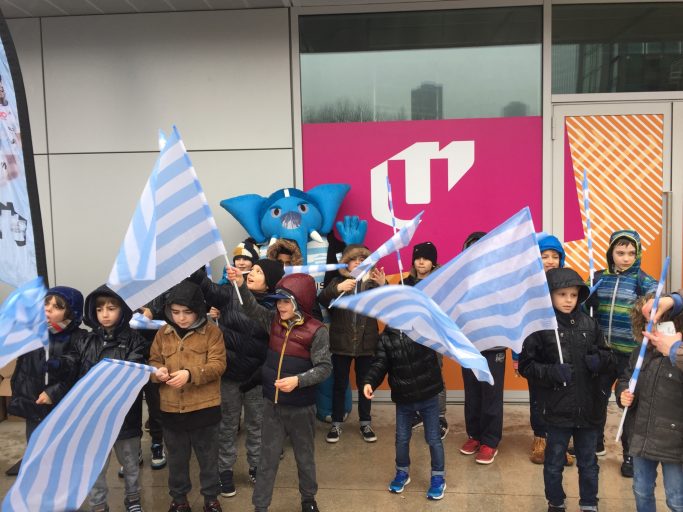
[(232, 400), (429, 410), (644, 476), (586, 461), (341, 366), (127, 452)]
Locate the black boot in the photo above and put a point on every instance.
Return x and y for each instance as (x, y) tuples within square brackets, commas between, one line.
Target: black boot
[(309, 506), (627, 467)]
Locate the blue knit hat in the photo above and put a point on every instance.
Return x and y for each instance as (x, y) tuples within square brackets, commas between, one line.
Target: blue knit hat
[(549, 242)]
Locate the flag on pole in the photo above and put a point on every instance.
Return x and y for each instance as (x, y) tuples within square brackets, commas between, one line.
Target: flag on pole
[(397, 242), (313, 269), (496, 291), (413, 312), (172, 232), (23, 327), (68, 450)]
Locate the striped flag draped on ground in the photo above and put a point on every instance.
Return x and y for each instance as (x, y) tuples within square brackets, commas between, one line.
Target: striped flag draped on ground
[(172, 232), (313, 269), (411, 311), (22, 321), (496, 290), (397, 242), (68, 449)]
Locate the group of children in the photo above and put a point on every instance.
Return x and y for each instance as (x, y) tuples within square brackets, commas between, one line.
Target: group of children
[(268, 355)]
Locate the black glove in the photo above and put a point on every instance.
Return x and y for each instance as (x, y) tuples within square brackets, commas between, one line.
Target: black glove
[(593, 362), (561, 373), (51, 365)]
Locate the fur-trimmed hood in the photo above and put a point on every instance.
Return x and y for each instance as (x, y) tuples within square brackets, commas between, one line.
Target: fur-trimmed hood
[(290, 245), (351, 252)]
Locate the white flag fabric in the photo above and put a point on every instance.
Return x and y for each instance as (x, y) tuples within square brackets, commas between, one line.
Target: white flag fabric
[(397, 242), (23, 327), (411, 311), (68, 450), (496, 291), (172, 232), (313, 269), (140, 321)]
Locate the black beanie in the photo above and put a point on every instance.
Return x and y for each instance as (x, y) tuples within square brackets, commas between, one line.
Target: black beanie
[(426, 250), (473, 237), (273, 270)]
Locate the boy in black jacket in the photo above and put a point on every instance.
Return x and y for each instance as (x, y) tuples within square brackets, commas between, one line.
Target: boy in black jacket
[(568, 387), (415, 381)]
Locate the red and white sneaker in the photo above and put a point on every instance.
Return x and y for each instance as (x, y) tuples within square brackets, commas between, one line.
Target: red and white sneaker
[(470, 447), (486, 455)]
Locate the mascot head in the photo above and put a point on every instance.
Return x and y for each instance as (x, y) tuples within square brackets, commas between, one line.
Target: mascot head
[(289, 213)]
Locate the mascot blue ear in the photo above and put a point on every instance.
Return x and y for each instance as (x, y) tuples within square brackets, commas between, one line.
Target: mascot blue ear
[(328, 198), (247, 211)]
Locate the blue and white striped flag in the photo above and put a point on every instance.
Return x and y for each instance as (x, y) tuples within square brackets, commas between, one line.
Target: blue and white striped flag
[(172, 232), (496, 290), (411, 311), (313, 269), (140, 321), (23, 327), (397, 242), (68, 450)]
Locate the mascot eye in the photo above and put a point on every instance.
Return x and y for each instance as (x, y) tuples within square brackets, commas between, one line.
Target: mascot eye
[(275, 212), (303, 208)]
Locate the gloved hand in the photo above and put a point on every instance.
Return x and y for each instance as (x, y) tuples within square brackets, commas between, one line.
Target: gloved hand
[(51, 365), (592, 362), (352, 230), (561, 373)]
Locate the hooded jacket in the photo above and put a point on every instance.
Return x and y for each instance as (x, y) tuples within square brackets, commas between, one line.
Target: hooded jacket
[(298, 347), (579, 403), (290, 245), (28, 379), (616, 294), (121, 342)]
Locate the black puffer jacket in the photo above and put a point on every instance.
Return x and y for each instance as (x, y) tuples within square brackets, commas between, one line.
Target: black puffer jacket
[(122, 343), (414, 373), (656, 415), (28, 379), (581, 402)]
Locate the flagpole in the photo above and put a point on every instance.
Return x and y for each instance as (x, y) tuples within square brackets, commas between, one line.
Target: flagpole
[(589, 231), (393, 225), (643, 345), (559, 350), (227, 262)]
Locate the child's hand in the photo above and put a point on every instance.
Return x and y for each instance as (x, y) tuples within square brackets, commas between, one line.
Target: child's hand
[(162, 374), (287, 384), (179, 379), (147, 313), (665, 304), (235, 275), (626, 398), (44, 399), (367, 391), (378, 276), (214, 313), (346, 286)]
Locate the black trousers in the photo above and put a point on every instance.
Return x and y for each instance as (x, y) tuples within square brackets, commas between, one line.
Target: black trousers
[(341, 367)]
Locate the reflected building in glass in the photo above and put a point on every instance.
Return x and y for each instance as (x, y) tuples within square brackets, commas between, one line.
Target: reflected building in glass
[(426, 101)]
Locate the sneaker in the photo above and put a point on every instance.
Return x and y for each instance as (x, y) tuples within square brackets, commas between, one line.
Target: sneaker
[(399, 482), (179, 507), (537, 455), (120, 473), (368, 434), (212, 506), (552, 508), (14, 469), (227, 484), (333, 434), (443, 427), (417, 420), (486, 455), (470, 447), (132, 505), (627, 467), (600, 450), (158, 456), (309, 506), (252, 475), (437, 486)]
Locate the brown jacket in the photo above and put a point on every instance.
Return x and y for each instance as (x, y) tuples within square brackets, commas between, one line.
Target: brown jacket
[(202, 353)]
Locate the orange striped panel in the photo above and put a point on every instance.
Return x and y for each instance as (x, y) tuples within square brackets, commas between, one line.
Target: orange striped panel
[(623, 156)]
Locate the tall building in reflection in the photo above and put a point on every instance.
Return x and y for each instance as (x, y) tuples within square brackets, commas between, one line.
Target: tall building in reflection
[(426, 101)]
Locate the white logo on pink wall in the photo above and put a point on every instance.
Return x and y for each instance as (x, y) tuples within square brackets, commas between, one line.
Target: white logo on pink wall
[(417, 160)]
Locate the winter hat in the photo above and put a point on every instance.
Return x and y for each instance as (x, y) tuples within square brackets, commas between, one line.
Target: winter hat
[(272, 270), (548, 242), (246, 250), (426, 250), (353, 251), (473, 237)]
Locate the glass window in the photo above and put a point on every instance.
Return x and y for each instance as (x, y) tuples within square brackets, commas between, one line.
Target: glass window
[(617, 48), (472, 63)]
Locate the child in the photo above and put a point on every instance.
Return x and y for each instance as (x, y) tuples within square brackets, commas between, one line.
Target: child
[(568, 387), (111, 337), (484, 402), (415, 381), (353, 338), (32, 398), (655, 417), (424, 263), (298, 358), (189, 355), (619, 286), (246, 343)]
